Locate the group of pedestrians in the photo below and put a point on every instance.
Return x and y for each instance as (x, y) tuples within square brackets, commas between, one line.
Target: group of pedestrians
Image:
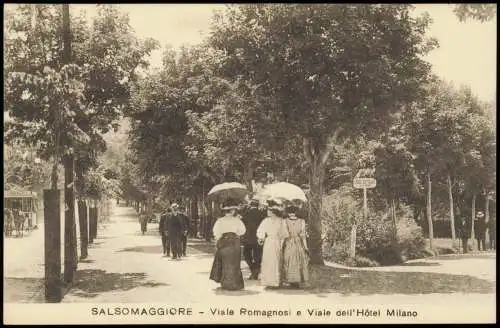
[(173, 228), (274, 245), (481, 229)]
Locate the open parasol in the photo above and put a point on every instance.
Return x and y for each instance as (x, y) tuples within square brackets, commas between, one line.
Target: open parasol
[(227, 190), (284, 190)]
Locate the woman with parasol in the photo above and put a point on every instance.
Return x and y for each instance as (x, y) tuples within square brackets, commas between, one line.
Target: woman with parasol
[(285, 258), (271, 234), (295, 258), (227, 230)]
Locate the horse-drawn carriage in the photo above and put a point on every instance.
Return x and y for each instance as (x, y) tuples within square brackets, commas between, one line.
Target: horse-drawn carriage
[(19, 211)]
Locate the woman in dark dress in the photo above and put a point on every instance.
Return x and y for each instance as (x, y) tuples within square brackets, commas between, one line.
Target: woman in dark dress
[(226, 268)]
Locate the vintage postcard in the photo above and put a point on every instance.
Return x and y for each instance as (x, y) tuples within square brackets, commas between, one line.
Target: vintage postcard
[(249, 163)]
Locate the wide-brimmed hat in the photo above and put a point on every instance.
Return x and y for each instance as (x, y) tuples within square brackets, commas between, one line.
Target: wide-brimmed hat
[(230, 204), (480, 214), (275, 204), (254, 202), (292, 208)]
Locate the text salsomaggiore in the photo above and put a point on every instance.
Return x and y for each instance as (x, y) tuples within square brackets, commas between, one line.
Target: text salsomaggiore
[(141, 311)]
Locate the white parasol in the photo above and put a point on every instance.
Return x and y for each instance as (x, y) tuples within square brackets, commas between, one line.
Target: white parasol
[(285, 191), (227, 190)]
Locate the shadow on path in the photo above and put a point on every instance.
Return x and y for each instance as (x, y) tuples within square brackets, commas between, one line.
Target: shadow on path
[(91, 283), (244, 292), (466, 256), (202, 248), (23, 290), (420, 263), (86, 261), (336, 280), (143, 249)]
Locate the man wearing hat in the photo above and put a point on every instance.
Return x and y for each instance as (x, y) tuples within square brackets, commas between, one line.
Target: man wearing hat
[(480, 231), (184, 236), (163, 228), (176, 229), (252, 251)]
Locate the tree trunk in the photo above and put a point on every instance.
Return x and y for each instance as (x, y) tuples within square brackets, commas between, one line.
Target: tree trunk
[(487, 212), (472, 234), (429, 210), (69, 220), (394, 222), (248, 176), (316, 203), (53, 176), (195, 216), (452, 215), (52, 245), (84, 230), (353, 238)]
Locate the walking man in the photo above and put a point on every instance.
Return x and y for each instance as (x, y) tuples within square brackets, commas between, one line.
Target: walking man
[(465, 229), (163, 228), (492, 232), (480, 231), (184, 237), (252, 251), (176, 229)]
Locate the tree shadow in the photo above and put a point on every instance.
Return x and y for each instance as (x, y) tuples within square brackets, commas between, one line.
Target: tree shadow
[(203, 248), (143, 249), (86, 261), (103, 237), (199, 255), (243, 292), (90, 283), (147, 233), (326, 279), (23, 290), (466, 256), (420, 263)]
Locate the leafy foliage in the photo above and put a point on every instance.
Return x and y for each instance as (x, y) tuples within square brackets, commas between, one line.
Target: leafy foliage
[(478, 11)]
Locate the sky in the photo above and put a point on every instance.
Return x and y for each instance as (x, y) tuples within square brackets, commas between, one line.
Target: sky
[(467, 53)]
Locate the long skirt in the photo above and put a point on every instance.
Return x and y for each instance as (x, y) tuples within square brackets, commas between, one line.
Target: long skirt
[(226, 268), (295, 261), (270, 273)]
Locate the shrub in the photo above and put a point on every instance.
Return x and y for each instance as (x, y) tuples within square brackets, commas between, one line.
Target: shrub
[(375, 240)]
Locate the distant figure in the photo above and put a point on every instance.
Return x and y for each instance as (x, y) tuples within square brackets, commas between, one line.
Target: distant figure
[(271, 234), (176, 229), (143, 219), (252, 251), (163, 229), (480, 231), (8, 222), (492, 232), (465, 230), (295, 254), (186, 223), (226, 267)]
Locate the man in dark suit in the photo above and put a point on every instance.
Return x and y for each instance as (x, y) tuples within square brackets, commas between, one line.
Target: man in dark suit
[(176, 229), (465, 231), (480, 231), (492, 232), (252, 251), (184, 237), (163, 228)]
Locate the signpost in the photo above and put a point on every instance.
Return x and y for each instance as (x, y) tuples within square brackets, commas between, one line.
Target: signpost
[(364, 183), (361, 183)]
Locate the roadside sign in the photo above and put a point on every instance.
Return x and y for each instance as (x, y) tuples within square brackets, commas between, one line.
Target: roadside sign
[(364, 183)]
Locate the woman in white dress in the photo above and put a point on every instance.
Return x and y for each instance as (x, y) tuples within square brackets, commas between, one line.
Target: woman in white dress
[(226, 268), (271, 234)]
